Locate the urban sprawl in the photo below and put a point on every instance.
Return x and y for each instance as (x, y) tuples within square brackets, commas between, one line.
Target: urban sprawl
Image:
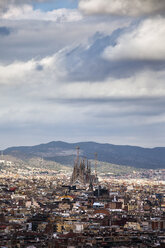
[(81, 209)]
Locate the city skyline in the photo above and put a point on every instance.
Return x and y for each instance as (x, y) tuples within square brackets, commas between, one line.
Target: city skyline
[(82, 71)]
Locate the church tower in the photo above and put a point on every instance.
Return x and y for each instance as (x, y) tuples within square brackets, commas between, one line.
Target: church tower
[(82, 172)]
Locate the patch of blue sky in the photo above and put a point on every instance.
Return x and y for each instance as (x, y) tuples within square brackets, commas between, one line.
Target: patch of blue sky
[(56, 4)]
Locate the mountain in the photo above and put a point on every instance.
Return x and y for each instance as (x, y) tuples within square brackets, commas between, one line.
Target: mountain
[(64, 153)]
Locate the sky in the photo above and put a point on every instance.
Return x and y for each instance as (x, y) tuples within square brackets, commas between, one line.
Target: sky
[(82, 70)]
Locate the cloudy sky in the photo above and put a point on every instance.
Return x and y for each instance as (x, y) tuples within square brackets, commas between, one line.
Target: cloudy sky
[(82, 70)]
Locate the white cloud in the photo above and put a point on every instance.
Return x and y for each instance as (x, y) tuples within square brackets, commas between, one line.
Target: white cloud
[(141, 85), (145, 42), (4, 4), (51, 72), (122, 7), (38, 99), (26, 12), (31, 72)]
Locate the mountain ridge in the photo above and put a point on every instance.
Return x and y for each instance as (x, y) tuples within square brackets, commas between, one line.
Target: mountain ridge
[(59, 151)]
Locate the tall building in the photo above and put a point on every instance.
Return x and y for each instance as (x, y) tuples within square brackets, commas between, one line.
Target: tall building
[(82, 172)]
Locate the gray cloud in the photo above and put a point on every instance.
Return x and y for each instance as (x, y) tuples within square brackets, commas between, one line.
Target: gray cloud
[(120, 7), (57, 83), (40, 104), (30, 119), (4, 31), (37, 39), (114, 56)]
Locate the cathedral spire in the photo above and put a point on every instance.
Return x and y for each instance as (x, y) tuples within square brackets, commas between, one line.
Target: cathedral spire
[(82, 171), (78, 152)]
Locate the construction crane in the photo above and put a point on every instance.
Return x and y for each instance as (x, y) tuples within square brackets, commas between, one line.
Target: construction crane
[(96, 164)]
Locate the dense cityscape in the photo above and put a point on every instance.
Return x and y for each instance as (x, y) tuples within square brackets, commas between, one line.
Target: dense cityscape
[(81, 209)]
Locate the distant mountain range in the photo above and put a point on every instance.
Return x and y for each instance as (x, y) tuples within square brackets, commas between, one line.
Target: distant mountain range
[(65, 153)]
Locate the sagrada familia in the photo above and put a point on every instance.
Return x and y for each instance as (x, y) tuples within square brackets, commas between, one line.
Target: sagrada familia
[(82, 172)]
